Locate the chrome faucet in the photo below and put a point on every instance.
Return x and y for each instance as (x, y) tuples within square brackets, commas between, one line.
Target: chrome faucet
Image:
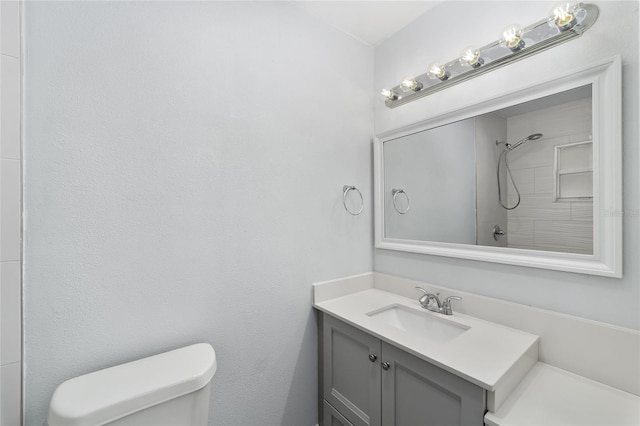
[(431, 302), (428, 299)]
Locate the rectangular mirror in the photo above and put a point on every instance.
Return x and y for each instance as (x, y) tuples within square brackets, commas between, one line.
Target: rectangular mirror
[(531, 178)]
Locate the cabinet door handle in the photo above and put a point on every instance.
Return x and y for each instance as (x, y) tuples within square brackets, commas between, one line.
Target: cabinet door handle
[(373, 357), (386, 365)]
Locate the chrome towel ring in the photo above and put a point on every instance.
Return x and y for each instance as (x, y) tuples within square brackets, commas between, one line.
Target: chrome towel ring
[(345, 191), (395, 193)]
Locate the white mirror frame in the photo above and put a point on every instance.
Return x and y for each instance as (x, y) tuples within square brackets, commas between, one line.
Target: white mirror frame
[(606, 260)]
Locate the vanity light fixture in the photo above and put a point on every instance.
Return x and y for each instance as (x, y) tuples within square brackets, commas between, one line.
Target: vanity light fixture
[(564, 15), (567, 21), (471, 56), (390, 95), (512, 38), (438, 71), (410, 84)]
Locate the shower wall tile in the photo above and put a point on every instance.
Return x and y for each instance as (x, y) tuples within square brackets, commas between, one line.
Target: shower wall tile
[(489, 209), (536, 153), (10, 312), (582, 210), (543, 180), (524, 180), (10, 216), (9, 210), (9, 107), (539, 207), (10, 395), (520, 234), (581, 137), (564, 236), (10, 28), (539, 222), (563, 120)]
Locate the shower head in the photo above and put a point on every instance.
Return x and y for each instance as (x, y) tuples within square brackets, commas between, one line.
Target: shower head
[(532, 137)]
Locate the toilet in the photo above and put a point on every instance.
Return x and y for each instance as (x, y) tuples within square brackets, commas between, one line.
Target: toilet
[(170, 388)]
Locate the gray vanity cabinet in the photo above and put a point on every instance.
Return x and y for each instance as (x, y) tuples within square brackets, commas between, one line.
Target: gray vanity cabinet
[(332, 417), (351, 372), (415, 392), (369, 382)]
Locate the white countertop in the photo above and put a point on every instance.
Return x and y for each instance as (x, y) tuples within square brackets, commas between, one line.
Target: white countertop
[(554, 397), (484, 354)]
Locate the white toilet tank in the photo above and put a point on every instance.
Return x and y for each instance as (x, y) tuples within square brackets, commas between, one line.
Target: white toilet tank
[(170, 388)]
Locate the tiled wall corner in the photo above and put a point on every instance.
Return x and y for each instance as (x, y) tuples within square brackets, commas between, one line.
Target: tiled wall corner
[(489, 129), (10, 216), (10, 313)]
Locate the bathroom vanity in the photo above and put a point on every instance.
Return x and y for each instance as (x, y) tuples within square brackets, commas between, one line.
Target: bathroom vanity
[(385, 360), (367, 381)]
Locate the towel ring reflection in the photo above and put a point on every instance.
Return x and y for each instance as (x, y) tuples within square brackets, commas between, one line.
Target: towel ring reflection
[(346, 190), (395, 193)]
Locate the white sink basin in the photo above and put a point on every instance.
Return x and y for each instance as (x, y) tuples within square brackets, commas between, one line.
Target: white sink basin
[(421, 324)]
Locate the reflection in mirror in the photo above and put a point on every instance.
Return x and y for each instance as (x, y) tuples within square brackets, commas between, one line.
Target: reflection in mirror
[(519, 177), (436, 169)]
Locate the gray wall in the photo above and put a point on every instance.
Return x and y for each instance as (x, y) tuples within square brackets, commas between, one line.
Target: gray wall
[(427, 165), (184, 165), (430, 38)]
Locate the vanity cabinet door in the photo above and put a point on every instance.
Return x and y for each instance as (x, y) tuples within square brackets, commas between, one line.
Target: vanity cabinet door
[(351, 372), (415, 392), (331, 417)]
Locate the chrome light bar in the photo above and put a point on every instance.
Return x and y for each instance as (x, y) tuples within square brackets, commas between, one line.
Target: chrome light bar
[(515, 44)]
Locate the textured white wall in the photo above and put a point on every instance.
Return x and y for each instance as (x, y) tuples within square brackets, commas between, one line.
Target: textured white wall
[(433, 37), (184, 165)]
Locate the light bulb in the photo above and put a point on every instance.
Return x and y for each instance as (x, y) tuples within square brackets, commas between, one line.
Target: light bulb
[(512, 38), (409, 84), (471, 56), (438, 71), (563, 15), (389, 94)]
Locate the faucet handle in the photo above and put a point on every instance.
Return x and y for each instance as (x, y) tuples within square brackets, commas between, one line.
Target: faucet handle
[(427, 297), (424, 299), (446, 305), (436, 298)]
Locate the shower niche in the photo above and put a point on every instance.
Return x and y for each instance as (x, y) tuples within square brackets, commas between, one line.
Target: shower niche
[(531, 178)]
